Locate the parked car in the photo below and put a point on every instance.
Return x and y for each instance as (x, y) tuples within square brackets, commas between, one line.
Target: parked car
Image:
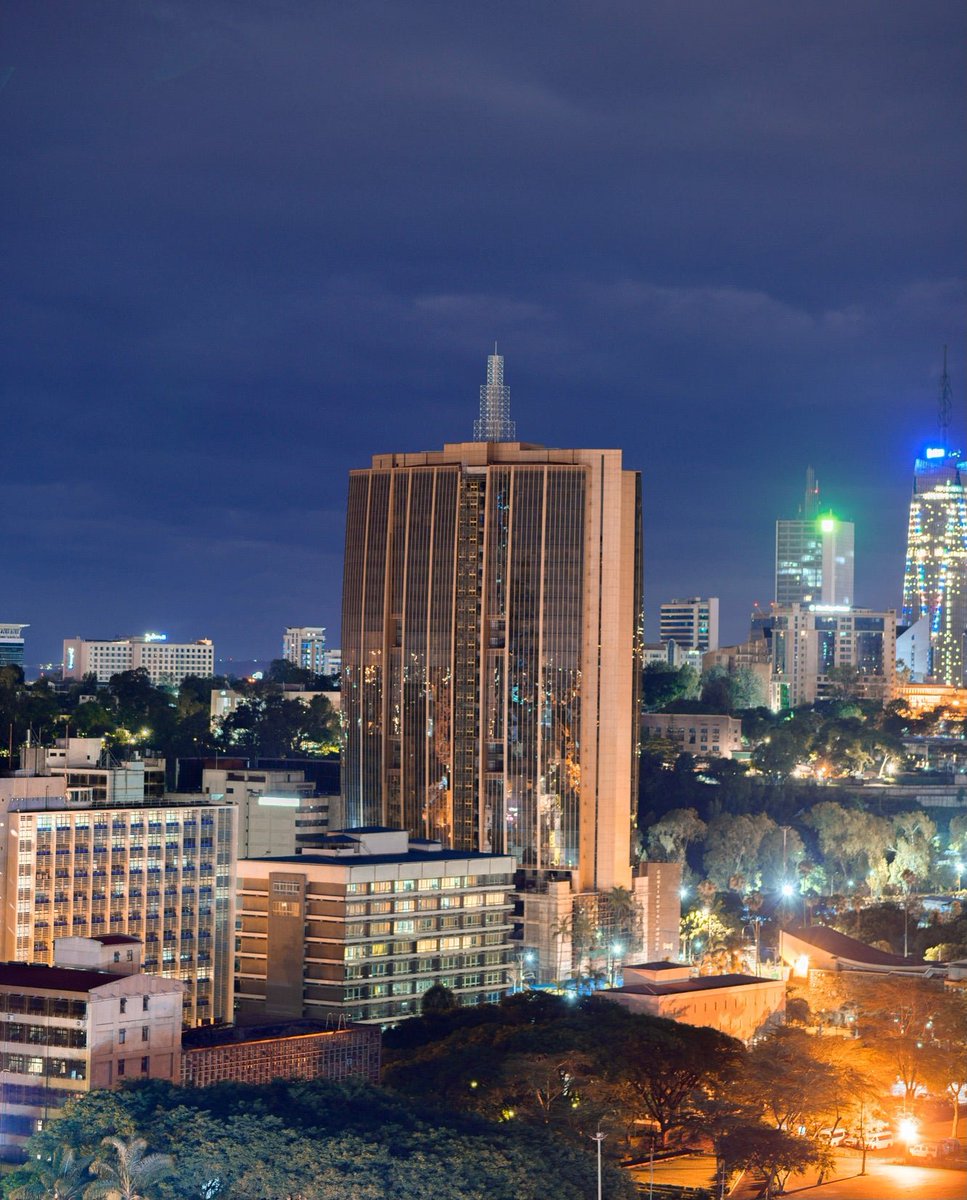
[(833, 1137), (875, 1140), (923, 1150)]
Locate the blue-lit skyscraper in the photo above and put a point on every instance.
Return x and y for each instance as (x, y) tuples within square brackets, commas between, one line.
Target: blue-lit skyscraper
[(935, 579)]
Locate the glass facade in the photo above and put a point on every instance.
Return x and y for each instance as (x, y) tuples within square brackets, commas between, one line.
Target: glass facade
[(935, 577), (471, 622)]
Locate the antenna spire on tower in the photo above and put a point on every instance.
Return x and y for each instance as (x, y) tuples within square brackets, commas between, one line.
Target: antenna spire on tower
[(946, 399), (494, 423)]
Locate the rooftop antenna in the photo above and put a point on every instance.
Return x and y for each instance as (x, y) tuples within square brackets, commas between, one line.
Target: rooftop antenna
[(494, 423), (946, 399), (811, 501)]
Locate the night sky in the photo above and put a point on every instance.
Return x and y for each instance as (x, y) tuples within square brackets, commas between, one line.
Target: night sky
[(244, 246)]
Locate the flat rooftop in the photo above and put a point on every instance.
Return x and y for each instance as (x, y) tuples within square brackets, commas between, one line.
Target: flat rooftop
[(36, 977), (704, 983)]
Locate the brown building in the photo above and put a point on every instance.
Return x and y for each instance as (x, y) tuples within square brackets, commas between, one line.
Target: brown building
[(365, 928), (297, 1050), (491, 638)]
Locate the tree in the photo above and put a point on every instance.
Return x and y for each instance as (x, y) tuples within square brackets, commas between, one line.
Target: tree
[(126, 1172), (669, 838), (732, 846), (774, 1153), (779, 754), (662, 684), (436, 1000), (63, 1175)]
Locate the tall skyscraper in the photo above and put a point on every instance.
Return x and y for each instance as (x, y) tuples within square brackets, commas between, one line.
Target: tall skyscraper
[(491, 635), (814, 555), (935, 578), (691, 624)]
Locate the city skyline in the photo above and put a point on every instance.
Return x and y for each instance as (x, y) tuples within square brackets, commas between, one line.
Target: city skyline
[(247, 251)]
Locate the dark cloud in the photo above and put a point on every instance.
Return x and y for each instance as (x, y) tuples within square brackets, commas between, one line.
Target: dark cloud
[(246, 245)]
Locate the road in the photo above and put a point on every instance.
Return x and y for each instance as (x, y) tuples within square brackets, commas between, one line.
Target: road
[(885, 1179)]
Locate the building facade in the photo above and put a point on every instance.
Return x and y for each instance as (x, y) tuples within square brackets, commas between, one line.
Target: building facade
[(268, 803), (163, 873), (820, 650), (704, 735), (167, 663), (12, 644), (69, 1029), (692, 624), (814, 555), (491, 633), (364, 929), (935, 576), (743, 1006), (297, 1050), (305, 646)]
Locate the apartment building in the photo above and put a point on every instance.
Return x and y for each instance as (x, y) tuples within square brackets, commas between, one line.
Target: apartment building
[(161, 872), (93, 1020), (366, 926)]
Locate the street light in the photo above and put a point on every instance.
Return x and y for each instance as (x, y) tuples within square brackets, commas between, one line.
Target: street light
[(599, 1138)]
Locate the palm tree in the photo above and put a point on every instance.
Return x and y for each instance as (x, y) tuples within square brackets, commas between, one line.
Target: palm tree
[(561, 932), (63, 1176), (129, 1173)]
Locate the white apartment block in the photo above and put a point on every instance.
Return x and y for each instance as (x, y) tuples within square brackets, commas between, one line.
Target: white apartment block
[(167, 663), (701, 734), (161, 872), (93, 1020), (366, 926)]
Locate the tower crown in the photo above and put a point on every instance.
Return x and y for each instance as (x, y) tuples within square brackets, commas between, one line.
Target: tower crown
[(494, 423)]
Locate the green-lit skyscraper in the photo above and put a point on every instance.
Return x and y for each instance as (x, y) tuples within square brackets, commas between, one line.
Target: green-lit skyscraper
[(814, 555)]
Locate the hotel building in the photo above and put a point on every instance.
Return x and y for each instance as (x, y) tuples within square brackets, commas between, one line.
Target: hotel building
[(691, 624), (167, 663), (809, 643)]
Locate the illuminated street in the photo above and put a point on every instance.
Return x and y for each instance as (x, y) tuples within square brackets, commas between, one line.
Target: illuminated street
[(884, 1179)]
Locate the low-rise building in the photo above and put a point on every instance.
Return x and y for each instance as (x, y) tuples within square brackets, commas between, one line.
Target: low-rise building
[(743, 1006), (701, 734), (819, 948), (367, 925), (296, 1050), (92, 1020)]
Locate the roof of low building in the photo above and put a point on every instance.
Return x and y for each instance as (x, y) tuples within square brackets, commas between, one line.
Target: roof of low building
[(39, 977), (841, 946), (363, 860), (229, 1035), (662, 965), (114, 939), (703, 983)]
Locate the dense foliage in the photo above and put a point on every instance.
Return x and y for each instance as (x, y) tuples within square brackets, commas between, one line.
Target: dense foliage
[(131, 713), (317, 1141)]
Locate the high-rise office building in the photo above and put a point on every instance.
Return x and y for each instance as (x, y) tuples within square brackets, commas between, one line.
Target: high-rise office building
[(935, 578), (491, 634), (814, 555), (691, 624), (12, 644)]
